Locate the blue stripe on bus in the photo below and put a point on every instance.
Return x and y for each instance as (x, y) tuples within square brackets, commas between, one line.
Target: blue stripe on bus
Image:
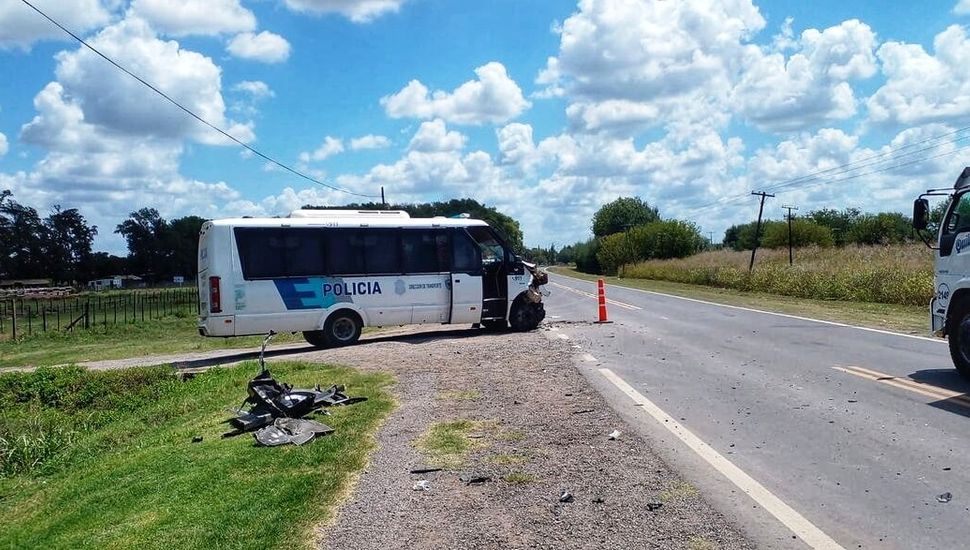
[(304, 293)]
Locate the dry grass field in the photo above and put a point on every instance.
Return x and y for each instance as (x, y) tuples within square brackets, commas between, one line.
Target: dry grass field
[(898, 274)]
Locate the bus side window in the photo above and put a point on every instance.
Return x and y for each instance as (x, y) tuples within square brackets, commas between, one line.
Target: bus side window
[(425, 251), (465, 255), (381, 252), (345, 252)]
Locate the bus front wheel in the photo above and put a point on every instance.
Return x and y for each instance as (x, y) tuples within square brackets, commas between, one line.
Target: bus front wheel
[(959, 340), (342, 328), (525, 316)]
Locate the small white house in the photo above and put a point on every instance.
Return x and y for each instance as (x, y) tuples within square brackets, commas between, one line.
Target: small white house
[(105, 284)]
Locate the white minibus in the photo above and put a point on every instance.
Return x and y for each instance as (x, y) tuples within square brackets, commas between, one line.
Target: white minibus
[(329, 273)]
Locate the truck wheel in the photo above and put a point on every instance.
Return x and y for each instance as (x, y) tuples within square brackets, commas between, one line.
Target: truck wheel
[(495, 325), (342, 328), (524, 316), (959, 340), (315, 338)]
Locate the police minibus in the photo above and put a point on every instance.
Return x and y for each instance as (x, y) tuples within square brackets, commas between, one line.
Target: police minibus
[(329, 273)]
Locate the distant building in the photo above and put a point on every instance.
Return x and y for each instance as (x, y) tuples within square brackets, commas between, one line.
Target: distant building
[(118, 281), (24, 283)]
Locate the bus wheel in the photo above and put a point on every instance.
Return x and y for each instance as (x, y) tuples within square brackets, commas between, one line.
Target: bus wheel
[(342, 328), (524, 316), (315, 338), (959, 340)]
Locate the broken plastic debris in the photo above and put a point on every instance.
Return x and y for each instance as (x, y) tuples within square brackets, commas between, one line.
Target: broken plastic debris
[(615, 434), (652, 506), (945, 497), (425, 470), (197, 439), (290, 430), (566, 496), (423, 485)]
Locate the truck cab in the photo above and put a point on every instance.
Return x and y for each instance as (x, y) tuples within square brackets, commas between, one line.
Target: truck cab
[(950, 305)]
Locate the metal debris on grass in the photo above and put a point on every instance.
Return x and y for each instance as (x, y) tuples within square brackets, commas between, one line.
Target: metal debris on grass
[(277, 409)]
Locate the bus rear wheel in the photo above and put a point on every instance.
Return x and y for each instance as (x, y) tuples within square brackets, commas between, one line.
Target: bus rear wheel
[(959, 340), (342, 328)]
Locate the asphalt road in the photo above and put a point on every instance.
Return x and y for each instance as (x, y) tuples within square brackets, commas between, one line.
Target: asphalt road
[(860, 454)]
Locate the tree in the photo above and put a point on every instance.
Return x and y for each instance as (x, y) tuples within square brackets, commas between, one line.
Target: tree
[(740, 237), (882, 228), (622, 214), (840, 222), (68, 245), (145, 232), (183, 241), (22, 240), (804, 233)]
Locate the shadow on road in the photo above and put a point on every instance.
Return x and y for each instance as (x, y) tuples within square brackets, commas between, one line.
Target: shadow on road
[(951, 380)]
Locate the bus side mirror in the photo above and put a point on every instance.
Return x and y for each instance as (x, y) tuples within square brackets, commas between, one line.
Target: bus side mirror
[(921, 214)]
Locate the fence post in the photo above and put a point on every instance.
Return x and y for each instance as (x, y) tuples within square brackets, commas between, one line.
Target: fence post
[(87, 311), (13, 309), (114, 304), (30, 328), (44, 312)]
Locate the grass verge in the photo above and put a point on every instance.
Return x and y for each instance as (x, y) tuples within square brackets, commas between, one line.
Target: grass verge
[(106, 459), (448, 444), (900, 318), (156, 337)]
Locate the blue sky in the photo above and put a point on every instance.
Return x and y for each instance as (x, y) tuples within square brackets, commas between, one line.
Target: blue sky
[(544, 109)]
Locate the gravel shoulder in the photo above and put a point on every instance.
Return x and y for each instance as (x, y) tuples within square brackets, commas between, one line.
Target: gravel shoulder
[(540, 430)]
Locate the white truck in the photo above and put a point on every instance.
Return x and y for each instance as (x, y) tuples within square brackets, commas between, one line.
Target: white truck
[(950, 305)]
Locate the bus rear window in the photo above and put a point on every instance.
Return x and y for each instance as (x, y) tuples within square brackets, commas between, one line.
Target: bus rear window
[(266, 253)]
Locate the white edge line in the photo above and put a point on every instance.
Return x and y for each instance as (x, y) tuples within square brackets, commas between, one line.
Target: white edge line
[(789, 316), (801, 527)]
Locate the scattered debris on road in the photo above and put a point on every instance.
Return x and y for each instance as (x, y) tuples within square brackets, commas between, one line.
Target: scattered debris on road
[(566, 496), (654, 506), (474, 479), (423, 485), (615, 434), (945, 497), (425, 470)]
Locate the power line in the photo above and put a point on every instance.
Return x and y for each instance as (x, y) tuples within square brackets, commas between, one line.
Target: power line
[(195, 116)]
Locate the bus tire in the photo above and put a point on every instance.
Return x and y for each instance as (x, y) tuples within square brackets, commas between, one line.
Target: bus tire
[(342, 328), (315, 338), (959, 341), (524, 316)]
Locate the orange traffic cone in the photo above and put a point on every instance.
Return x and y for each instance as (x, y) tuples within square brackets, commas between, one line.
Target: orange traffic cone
[(601, 291)]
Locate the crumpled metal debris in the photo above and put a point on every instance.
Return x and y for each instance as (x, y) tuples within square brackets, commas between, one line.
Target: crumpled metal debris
[(290, 430), (277, 409)]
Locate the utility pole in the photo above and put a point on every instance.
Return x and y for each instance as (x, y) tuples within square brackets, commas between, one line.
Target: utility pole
[(383, 201), (791, 257), (757, 229)]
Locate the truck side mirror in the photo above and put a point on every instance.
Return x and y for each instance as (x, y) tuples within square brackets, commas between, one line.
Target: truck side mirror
[(921, 214)]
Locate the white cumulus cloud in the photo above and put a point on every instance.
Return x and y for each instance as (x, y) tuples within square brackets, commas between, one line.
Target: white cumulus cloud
[(962, 7), (265, 46), (492, 98), (434, 136), (20, 26), (358, 11), (201, 17), (4, 147), (811, 86), (921, 88), (370, 141), (331, 146), (257, 89)]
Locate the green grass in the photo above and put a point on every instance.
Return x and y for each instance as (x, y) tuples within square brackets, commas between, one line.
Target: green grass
[(447, 444), (105, 459), (518, 478), (160, 336), (902, 318)]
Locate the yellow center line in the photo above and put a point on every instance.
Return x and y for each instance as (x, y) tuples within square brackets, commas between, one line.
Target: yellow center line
[(908, 384), (593, 296)]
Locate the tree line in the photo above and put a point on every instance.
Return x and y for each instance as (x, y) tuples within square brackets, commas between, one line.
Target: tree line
[(829, 227), (629, 230), (59, 246)]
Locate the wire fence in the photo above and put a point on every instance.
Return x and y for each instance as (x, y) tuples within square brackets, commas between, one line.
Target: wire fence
[(25, 316)]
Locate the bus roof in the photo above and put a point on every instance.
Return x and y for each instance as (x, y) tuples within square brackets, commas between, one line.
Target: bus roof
[(348, 221)]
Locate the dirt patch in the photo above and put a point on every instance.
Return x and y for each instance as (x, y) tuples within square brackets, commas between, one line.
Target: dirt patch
[(539, 431)]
